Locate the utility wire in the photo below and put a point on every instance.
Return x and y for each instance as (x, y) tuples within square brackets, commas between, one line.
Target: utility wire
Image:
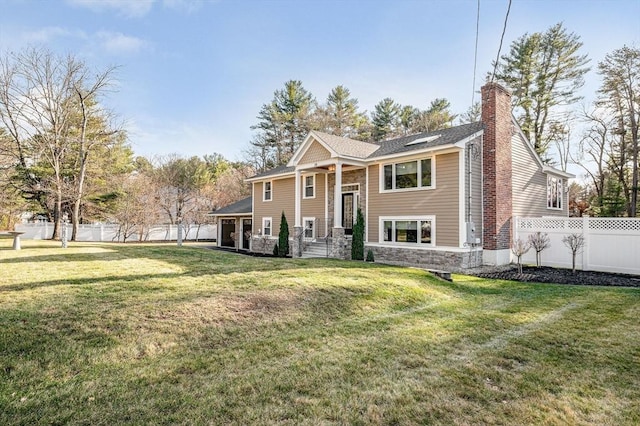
[(475, 56), (504, 29)]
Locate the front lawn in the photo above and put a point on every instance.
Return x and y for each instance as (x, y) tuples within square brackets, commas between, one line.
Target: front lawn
[(155, 334)]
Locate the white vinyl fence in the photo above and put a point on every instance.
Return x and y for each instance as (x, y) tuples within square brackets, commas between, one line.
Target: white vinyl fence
[(611, 244), (109, 232)]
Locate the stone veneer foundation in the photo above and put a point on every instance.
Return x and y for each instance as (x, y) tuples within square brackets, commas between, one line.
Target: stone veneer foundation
[(426, 258)]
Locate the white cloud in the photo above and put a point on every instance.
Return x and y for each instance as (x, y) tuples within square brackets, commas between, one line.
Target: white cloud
[(119, 43), (47, 34), (127, 8)]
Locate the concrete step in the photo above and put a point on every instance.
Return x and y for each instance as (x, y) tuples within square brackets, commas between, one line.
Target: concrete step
[(315, 249)]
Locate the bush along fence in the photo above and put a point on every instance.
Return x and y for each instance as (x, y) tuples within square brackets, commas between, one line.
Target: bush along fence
[(113, 232), (610, 244)]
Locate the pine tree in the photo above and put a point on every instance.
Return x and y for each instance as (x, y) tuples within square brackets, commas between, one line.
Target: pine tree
[(545, 71), (385, 119)]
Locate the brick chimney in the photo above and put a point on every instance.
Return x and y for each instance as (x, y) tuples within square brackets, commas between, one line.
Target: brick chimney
[(496, 171)]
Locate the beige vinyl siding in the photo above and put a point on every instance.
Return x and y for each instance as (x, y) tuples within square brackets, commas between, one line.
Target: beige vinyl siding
[(530, 183), (313, 207), (441, 202), (474, 159), (315, 153), (282, 199)]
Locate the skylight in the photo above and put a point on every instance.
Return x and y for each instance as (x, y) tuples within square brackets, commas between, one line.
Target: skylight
[(423, 140)]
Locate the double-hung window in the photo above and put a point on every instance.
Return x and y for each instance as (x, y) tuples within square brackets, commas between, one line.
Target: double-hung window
[(267, 194), (554, 192), (412, 174), (266, 226), (310, 186), (417, 231)]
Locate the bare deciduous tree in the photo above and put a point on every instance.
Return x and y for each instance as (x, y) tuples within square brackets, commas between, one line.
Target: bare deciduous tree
[(519, 247), (539, 241), (575, 243)]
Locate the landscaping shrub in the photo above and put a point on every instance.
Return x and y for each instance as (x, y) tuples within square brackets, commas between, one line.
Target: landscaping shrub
[(283, 237), (369, 256), (357, 243)]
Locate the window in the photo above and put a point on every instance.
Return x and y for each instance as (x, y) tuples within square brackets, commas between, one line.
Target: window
[(267, 191), (411, 230), (554, 192), (310, 186), (309, 228), (408, 175), (266, 226)]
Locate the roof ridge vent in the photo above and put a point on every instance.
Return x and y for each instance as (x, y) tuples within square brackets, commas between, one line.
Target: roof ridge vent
[(423, 140)]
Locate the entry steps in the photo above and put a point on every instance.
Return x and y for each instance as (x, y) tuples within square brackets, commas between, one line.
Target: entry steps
[(315, 249)]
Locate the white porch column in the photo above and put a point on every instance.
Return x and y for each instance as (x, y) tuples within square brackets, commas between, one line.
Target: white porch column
[(297, 219), (337, 197)]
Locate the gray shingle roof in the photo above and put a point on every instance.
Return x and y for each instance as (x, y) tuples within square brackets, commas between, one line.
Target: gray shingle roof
[(347, 147), (447, 136), (244, 206), (372, 150), (276, 171)]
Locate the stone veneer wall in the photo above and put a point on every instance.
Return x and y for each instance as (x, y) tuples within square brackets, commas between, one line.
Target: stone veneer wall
[(437, 259), (349, 177), (263, 245)]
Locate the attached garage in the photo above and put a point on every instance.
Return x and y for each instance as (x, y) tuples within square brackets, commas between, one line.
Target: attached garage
[(234, 225)]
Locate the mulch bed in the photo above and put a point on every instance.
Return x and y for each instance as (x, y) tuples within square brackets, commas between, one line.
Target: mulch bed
[(563, 276)]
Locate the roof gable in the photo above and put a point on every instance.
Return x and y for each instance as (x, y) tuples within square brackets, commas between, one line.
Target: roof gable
[(314, 153), (336, 146), (529, 146)]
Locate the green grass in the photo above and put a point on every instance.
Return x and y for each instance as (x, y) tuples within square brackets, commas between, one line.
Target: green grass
[(153, 334)]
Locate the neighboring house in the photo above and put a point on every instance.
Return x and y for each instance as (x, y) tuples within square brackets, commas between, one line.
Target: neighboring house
[(440, 198), (234, 225)]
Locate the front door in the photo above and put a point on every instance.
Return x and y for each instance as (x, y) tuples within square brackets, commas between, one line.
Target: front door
[(246, 233), (347, 213)]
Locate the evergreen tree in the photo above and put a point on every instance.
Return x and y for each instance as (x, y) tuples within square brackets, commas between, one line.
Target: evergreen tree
[(283, 237), (385, 119), (438, 116), (620, 93), (545, 71), (342, 111), (284, 122), (357, 242)]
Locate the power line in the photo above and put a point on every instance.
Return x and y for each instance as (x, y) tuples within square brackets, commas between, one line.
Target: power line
[(504, 29), (475, 56)]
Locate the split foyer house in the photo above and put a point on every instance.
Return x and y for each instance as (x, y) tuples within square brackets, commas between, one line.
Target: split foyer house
[(440, 198)]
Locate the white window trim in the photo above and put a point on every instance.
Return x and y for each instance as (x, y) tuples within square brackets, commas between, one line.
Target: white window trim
[(382, 219), (264, 219), (313, 230), (304, 186), (264, 191), (419, 171), (560, 193)]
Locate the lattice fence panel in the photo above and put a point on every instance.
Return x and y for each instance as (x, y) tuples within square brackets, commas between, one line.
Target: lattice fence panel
[(609, 224), (612, 244), (549, 223)]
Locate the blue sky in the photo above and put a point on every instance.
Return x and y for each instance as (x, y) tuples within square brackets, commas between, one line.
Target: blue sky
[(194, 73)]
